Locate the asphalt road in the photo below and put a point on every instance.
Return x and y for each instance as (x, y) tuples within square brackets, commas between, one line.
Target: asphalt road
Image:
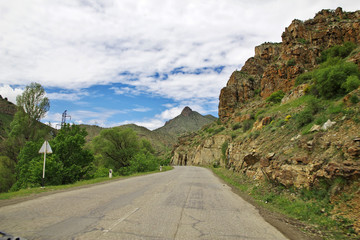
[(185, 203)]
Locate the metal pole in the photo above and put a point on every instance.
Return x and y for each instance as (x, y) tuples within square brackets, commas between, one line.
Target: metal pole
[(44, 164)]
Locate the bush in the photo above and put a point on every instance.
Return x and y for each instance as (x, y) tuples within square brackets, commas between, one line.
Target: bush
[(352, 83), (329, 80), (224, 147), (303, 118), (354, 99), (291, 62), (236, 126), (303, 78), (276, 97), (247, 125), (341, 51), (314, 105)]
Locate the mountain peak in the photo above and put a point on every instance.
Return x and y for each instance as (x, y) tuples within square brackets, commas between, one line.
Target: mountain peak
[(186, 111)]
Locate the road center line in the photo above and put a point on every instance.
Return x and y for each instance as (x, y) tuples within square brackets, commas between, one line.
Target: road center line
[(120, 220)]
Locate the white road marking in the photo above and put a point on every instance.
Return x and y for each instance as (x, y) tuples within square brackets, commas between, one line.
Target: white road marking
[(120, 220)]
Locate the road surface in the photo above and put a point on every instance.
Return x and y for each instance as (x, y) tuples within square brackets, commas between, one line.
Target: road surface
[(185, 203)]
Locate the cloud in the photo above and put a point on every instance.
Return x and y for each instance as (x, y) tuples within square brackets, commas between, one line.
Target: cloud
[(10, 93), (184, 51), (66, 96)]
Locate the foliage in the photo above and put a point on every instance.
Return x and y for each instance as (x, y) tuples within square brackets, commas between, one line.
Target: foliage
[(308, 205), (291, 62), (354, 99), (341, 51), (7, 177), (30, 166), (303, 78), (122, 151), (224, 147), (69, 163), (303, 118), (352, 83), (33, 101), (236, 126), (68, 147), (276, 97), (330, 78), (247, 124)]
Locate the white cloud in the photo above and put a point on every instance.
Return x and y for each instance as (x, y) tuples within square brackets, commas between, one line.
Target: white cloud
[(10, 93), (77, 44), (65, 96)]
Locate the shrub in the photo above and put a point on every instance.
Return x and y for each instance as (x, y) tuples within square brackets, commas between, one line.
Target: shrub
[(303, 78), (352, 83), (291, 62), (341, 51), (354, 99), (224, 147), (276, 97), (236, 126), (329, 80), (247, 125), (314, 105), (303, 118), (257, 92)]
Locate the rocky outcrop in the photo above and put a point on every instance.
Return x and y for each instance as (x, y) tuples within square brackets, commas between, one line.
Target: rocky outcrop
[(205, 153), (275, 66)]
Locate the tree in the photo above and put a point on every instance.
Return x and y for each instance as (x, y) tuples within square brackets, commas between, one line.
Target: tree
[(7, 177), (30, 167), (33, 101), (32, 106), (116, 146), (68, 148), (122, 151)]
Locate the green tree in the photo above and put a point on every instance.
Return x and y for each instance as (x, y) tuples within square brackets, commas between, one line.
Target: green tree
[(116, 146), (30, 167), (7, 177), (122, 151), (68, 148), (33, 101)]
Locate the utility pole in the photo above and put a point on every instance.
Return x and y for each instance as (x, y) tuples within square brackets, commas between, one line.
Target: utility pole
[(63, 120)]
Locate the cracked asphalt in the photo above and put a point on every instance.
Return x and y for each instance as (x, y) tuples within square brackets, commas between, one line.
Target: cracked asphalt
[(185, 203)]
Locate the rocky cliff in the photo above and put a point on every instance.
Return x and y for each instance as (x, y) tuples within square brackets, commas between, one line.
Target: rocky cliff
[(275, 66), (273, 141)]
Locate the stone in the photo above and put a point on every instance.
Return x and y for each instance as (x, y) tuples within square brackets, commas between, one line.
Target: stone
[(251, 159), (315, 128), (264, 162), (295, 138), (328, 125), (270, 156), (354, 151)]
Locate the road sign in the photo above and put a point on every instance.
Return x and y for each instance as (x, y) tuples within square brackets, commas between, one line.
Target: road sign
[(45, 149)]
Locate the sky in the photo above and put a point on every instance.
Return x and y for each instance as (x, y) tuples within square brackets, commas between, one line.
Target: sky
[(115, 62)]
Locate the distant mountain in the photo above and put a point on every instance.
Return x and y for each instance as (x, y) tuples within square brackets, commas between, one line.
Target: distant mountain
[(7, 112), (164, 137), (188, 121)]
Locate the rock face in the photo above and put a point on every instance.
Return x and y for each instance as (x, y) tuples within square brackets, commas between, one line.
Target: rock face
[(275, 66)]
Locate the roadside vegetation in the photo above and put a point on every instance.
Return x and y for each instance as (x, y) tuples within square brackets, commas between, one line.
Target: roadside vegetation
[(310, 206), (72, 160)]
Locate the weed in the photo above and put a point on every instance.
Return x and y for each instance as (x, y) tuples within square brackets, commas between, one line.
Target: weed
[(354, 99)]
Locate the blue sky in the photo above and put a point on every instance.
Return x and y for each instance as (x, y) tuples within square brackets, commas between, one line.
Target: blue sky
[(115, 62)]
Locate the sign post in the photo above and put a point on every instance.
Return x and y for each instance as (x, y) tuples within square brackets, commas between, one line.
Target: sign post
[(44, 149)]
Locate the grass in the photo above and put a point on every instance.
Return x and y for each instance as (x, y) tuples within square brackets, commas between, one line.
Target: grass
[(309, 206), (32, 191)]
